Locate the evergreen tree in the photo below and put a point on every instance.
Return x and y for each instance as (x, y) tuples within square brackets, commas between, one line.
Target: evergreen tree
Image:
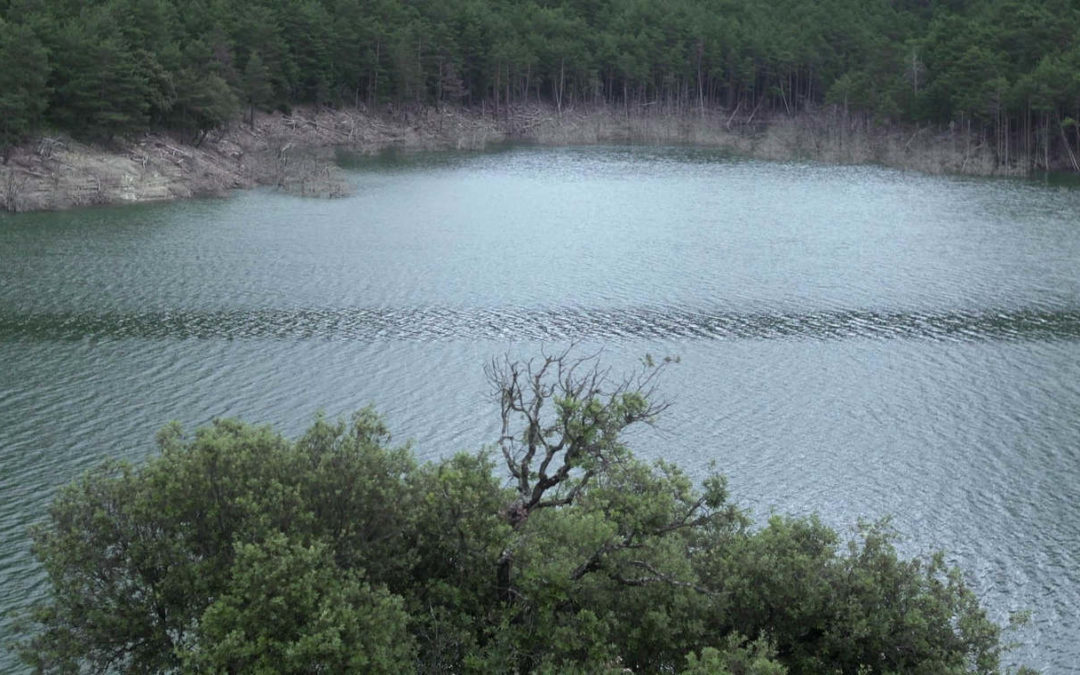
[(1001, 69), (256, 85), (23, 78), (98, 87)]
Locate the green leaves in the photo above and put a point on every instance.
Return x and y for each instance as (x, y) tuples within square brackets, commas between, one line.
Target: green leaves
[(23, 90), (741, 657), (288, 608), (149, 566), (120, 66), (859, 607), (237, 550)]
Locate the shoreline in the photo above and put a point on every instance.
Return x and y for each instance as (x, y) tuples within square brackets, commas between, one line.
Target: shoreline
[(296, 153)]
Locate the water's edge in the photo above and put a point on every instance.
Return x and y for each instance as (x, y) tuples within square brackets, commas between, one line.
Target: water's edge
[(296, 152)]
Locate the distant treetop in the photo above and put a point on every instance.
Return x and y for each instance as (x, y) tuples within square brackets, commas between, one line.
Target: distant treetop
[(1009, 69)]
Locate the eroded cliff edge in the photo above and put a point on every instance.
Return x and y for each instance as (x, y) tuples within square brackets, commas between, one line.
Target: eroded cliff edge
[(296, 152)]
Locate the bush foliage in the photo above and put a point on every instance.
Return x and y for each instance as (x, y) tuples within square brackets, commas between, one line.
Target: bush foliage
[(238, 550)]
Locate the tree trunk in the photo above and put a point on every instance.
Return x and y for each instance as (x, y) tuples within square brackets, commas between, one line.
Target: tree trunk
[(700, 83), (374, 82), (559, 90)]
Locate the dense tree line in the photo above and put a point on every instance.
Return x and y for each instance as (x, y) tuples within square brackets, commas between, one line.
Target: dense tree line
[(237, 550), (1007, 69)]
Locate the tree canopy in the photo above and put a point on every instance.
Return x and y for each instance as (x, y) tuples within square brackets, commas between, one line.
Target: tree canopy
[(238, 550), (1008, 69)]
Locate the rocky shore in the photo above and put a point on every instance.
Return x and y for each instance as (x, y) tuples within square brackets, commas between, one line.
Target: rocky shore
[(296, 152)]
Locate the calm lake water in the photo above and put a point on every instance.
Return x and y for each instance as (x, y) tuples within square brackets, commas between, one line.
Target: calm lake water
[(856, 342)]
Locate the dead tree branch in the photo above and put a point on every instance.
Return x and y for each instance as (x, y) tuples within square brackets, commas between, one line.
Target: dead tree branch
[(561, 417)]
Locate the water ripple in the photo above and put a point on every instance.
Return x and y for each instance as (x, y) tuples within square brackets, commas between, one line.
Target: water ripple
[(442, 323)]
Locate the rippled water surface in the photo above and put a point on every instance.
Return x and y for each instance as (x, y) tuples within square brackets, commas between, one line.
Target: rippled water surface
[(855, 342)]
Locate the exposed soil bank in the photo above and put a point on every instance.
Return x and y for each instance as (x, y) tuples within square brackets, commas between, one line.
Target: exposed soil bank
[(296, 153)]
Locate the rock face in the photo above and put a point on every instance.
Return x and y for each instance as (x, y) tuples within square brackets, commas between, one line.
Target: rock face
[(296, 152), (59, 174)]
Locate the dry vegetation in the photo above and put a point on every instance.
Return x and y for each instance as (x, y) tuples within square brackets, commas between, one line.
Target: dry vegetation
[(826, 135), (292, 153), (296, 153)]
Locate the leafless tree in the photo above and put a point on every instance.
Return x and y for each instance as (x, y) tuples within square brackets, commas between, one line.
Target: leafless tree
[(562, 415)]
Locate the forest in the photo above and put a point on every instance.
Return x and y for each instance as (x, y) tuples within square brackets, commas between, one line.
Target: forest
[(1007, 71)]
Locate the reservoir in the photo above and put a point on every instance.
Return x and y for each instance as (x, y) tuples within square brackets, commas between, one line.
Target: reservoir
[(855, 342)]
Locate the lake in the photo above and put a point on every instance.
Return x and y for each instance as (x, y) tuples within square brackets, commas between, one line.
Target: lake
[(854, 341)]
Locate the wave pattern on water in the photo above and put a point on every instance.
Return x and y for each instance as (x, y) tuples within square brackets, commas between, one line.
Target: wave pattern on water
[(432, 323)]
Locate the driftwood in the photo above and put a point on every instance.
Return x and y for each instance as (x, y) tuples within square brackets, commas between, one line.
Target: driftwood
[(47, 146)]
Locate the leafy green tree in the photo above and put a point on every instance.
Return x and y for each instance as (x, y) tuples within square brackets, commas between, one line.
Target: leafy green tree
[(288, 608), (23, 88), (145, 24), (138, 557), (309, 26), (259, 29), (1001, 69), (99, 90), (202, 97), (739, 658), (204, 101), (256, 85), (237, 550), (862, 607)]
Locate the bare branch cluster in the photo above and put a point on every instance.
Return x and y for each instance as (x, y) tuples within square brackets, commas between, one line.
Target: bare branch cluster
[(561, 416)]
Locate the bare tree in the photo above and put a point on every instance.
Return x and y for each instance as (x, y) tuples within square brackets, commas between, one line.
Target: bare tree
[(562, 416), (561, 420)]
